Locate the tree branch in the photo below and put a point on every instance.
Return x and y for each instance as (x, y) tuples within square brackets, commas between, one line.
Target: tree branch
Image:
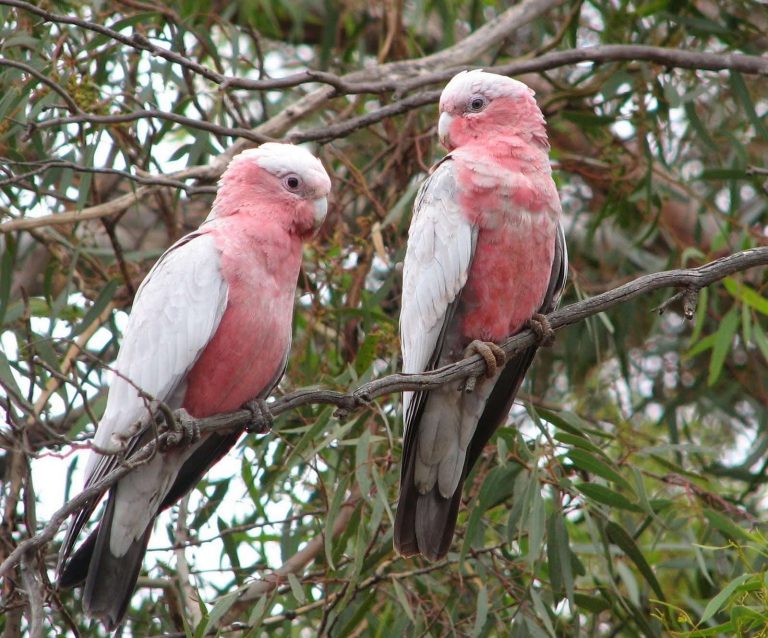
[(398, 77), (141, 114), (690, 278)]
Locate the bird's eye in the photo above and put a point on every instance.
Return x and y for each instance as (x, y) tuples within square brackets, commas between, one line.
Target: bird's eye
[(292, 182), (476, 103)]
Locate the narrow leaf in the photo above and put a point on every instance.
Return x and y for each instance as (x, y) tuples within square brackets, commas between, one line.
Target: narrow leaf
[(722, 346), (714, 605), (619, 537), (586, 461), (607, 496), (747, 294), (481, 613)]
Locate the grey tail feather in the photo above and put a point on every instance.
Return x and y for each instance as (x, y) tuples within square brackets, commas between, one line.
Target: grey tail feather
[(111, 579), (424, 523)]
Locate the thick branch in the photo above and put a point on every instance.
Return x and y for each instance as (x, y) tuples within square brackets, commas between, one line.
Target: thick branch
[(690, 278)]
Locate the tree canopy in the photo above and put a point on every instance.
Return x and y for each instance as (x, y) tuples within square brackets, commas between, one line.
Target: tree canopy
[(627, 495)]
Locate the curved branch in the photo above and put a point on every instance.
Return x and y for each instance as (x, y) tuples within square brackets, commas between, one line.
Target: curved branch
[(133, 116), (690, 278)]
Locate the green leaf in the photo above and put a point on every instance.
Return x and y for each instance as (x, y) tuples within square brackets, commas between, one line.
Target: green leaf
[(607, 496), (699, 127), (591, 603), (366, 353), (619, 537), (746, 294), (740, 89), (7, 377), (223, 605), (729, 529), (403, 599), (572, 423), (578, 441), (497, 487), (536, 522), (559, 555), (703, 344), (362, 464), (6, 273), (741, 614), (296, 590), (746, 323), (588, 462), (481, 611), (330, 520), (105, 296), (722, 345), (230, 547), (714, 605), (542, 615), (760, 339), (724, 173)]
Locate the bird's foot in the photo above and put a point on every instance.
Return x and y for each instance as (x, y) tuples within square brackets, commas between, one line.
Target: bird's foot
[(183, 430), (542, 328), (261, 421), (493, 356)]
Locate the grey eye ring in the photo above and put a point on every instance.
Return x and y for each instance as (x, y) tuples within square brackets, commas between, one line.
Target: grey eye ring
[(292, 182), (477, 103)]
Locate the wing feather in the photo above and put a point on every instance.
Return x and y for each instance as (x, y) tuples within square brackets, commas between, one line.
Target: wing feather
[(441, 242), (175, 313)]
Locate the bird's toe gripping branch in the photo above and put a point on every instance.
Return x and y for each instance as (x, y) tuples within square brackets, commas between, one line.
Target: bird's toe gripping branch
[(183, 429), (541, 326), (261, 417), (493, 356)]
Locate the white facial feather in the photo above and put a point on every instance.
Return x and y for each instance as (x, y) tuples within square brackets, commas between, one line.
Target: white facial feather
[(468, 83), (283, 159)]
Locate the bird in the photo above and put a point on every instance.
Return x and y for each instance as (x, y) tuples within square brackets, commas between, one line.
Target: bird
[(209, 332), (485, 259)]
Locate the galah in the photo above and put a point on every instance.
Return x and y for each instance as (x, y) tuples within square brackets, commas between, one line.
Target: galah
[(486, 256), (209, 332)]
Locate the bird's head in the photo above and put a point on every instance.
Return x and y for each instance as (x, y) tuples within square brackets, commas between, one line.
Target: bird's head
[(477, 106), (280, 178)]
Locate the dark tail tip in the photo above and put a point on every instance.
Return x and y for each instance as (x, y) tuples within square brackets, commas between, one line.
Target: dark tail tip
[(75, 570), (108, 580), (424, 523)]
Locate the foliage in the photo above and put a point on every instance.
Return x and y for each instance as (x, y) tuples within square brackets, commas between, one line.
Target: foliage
[(628, 498)]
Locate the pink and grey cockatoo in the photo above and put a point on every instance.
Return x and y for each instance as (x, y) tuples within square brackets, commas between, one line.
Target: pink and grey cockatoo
[(486, 255), (209, 332)]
